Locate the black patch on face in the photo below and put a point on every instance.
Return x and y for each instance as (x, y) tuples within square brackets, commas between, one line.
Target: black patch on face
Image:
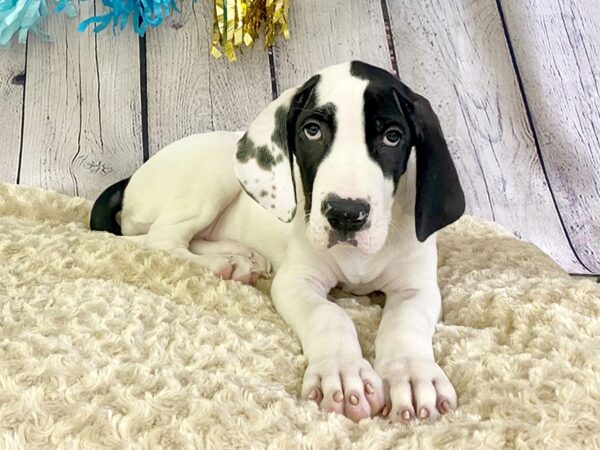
[(383, 111), (247, 149), (279, 135), (310, 153)]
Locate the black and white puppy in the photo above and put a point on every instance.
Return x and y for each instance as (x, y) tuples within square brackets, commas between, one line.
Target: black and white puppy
[(346, 180)]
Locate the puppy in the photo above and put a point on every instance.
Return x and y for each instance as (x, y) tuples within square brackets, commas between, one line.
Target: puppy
[(344, 180)]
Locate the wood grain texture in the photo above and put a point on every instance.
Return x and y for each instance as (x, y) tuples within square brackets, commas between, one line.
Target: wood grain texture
[(12, 83), (189, 91), (557, 49), (327, 33), (454, 53), (82, 127)]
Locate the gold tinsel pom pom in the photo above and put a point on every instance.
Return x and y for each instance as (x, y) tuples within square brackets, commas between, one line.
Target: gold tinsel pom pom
[(238, 22)]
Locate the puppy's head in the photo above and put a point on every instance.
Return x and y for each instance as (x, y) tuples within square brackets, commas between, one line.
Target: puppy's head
[(341, 142)]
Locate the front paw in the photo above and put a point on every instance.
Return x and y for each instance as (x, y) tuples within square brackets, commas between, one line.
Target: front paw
[(417, 389), (346, 385)]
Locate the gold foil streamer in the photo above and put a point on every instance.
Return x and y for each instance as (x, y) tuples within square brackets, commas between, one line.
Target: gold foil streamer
[(239, 22), (230, 24), (217, 28)]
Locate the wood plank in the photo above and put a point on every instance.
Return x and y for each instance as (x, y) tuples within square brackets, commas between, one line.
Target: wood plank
[(327, 33), (12, 83), (82, 126), (454, 53), (557, 48), (191, 92)]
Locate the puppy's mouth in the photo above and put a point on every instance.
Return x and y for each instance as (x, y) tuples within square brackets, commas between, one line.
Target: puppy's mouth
[(369, 239), (342, 237)]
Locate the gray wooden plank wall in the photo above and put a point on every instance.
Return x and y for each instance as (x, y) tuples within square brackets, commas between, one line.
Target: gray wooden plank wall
[(450, 51), (515, 85), (12, 82), (81, 120), (557, 51), (189, 91)]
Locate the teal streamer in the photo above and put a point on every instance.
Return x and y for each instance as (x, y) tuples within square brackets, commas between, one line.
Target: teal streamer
[(143, 14), (67, 7), (19, 17)]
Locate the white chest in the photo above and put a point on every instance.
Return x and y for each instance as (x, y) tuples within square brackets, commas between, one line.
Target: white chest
[(357, 271)]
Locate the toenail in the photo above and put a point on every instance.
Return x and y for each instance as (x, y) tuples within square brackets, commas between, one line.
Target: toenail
[(385, 411), (369, 389), (313, 394), (338, 396), (406, 414), (354, 399), (445, 406), (424, 414)]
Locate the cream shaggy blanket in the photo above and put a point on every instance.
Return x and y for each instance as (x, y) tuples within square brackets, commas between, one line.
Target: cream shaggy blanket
[(106, 344)]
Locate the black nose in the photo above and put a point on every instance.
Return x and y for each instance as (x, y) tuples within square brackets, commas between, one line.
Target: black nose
[(345, 214)]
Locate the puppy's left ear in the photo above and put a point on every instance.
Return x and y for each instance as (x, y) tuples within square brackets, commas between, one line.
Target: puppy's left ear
[(440, 198)]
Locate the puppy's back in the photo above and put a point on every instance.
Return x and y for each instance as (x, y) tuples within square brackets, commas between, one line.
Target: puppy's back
[(192, 173)]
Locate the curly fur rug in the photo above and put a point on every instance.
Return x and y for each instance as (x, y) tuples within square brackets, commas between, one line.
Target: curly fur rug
[(106, 343)]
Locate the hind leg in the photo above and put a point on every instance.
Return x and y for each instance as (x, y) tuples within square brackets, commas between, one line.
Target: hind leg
[(175, 236), (218, 264), (247, 264)]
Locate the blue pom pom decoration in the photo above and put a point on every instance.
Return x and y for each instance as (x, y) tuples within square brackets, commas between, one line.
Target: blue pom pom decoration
[(143, 14), (19, 17)]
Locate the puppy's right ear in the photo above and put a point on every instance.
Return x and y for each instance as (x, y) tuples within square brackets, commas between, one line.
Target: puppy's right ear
[(263, 161), (440, 199)]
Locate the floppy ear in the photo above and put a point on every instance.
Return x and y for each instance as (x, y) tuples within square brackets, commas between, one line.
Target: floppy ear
[(263, 161), (440, 198)]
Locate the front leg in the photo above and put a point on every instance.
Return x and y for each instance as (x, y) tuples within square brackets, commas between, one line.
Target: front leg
[(337, 378), (415, 385)]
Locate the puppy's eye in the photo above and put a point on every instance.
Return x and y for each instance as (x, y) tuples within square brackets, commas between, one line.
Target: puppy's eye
[(312, 131), (392, 137)]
